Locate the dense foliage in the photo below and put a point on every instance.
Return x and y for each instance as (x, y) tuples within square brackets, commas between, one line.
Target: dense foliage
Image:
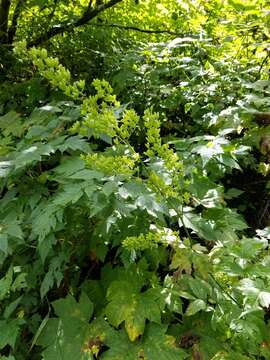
[(134, 180)]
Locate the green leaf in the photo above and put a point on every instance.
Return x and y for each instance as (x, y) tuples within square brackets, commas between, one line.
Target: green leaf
[(11, 123), (5, 283), (132, 307), (47, 283), (5, 168), (264, 299), (19, 282), (120, 347), (32, 154), (227, 218), (54, 275), (232, 193), (172, 296), (149, 203), (195, 306), (210, 150), (68, 167), (14, 230), (156, 345), (199, 288), (201, 226), (70, 194), (69, 310), (45, 219), (95, 292), (64, 337), (4, 243), (39, 330), (9, 331), (75, 143), (264, 233), (12, 307)]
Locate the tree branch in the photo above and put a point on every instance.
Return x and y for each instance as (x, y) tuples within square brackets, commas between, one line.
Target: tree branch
[(88, 15), (262, 64), (13, 27), (51, 15), (4, 13), (134, 28)]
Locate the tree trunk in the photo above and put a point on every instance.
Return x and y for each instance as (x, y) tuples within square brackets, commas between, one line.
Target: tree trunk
[(4, 13), (13, 27)]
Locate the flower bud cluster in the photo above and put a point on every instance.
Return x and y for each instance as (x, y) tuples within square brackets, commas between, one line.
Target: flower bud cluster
[(169, 157), (56, 73), (112, 165), (129, 121), (151, 239)]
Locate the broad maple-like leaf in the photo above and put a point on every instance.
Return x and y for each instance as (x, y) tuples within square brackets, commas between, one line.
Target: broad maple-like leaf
[(64, 337), (155, 344), (127, 304)]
